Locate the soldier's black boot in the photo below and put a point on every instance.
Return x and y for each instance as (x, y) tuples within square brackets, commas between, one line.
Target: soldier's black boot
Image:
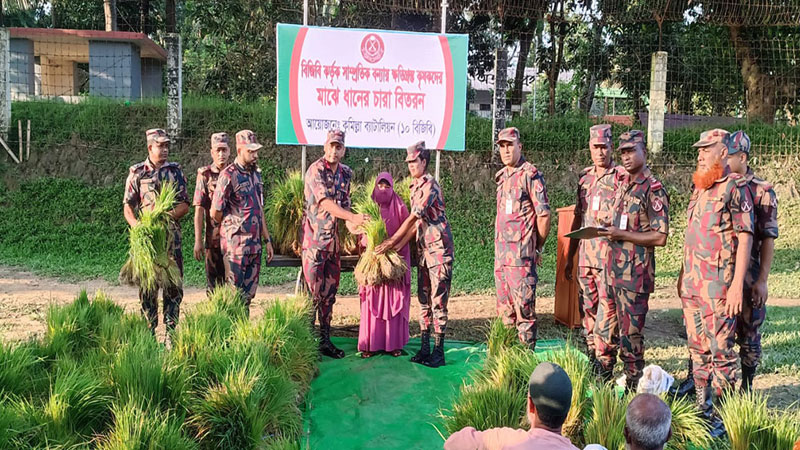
[(605, 375), (425, 348), (686, 387), (326, 347), (594, 364), (704, 404), (748, 373), (436, 358)]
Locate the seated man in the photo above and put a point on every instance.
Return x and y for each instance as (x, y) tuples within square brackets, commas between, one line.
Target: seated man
[(549, 396), (648, 423)]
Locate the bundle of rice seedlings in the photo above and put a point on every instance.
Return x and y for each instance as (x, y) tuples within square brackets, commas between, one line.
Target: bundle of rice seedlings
[(79, 403), (226, 300), (251, 403), (374, 269), (350, 244), (140, 428), (140, 371), (512, 369), (751, 425), (484, 405), (286, 214), (21, 369), (74, 329), (500, 338), (150, 264), (19, 427), (606, 420), (576, 365), (283, 444), (114, 333), (403, 189), (687, 426)]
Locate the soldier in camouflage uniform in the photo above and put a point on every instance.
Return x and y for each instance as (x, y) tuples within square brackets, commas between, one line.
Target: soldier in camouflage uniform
[(595, 197), (640, 222), (428, 223), (327, 198), (142, 188), (754, 309), (208, 248), (719, 237), (238, 206), (521, 227)]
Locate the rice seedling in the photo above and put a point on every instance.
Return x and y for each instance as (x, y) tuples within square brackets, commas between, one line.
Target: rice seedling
[(751, 425), (606, 420), (286, 214), (283, 444), (74, 329), (251, 403), (687, 426), (374, 269), (500, 337), (150, 264), (140, 371), (576, 365), (403, 189), (21, 370), (79, 403), (483, 406), (141, 428), (18, 426), (226, 300), (512, 368), (114, 333)]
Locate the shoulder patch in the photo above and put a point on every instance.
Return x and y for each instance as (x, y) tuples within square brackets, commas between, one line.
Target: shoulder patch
[(655, 184), (658, 205), (739, 180), (747, 206), (136, 167), (530, 168)]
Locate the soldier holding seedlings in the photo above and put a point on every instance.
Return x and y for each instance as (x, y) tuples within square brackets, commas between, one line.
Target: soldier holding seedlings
[(207, 245), (521, 227), (429, 224), (142, 188), (238, 205)]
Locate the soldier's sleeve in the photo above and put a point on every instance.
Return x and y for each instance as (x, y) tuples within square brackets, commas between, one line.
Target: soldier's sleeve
[(201, 194), (180, 185), (318, 189), (767, 215), (741, 207), (658, 209), (221, 193), (538, 192), (347, 203), (418, 208), (578, 202), (131, 196)]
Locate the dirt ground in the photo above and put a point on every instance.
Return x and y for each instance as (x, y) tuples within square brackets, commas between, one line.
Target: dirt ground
[(24, 299)]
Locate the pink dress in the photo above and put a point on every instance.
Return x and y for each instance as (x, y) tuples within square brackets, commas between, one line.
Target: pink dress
[(385, 309)]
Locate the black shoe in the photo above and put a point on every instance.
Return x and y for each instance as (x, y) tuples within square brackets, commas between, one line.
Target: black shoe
[(326, 347), (686, 388), (594, 364), (425, 348), (748, 373), (716, 429), (436, 358)]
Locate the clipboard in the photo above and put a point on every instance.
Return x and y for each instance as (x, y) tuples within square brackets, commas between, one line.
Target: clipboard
[(585, 233)]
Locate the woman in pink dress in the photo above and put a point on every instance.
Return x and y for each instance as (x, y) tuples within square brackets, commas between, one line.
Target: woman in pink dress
[(384, 309)]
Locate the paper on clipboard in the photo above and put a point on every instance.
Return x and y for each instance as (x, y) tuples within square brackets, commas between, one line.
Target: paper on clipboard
[(585, 233)]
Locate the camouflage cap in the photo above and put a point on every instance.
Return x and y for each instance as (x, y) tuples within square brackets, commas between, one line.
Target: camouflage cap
[(335, 136), (156, 135), (600, 135), (510, 134), (711, 137), (219, 140), (416, 150), (632, 139), (247, 139), (550, 390), (740, 142)]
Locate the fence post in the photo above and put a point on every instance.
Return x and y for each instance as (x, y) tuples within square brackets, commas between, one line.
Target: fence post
[(5, 84), (174, 85), (658, 97), (500, 86)]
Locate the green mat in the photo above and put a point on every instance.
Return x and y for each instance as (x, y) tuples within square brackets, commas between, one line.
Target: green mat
[(385, 402)]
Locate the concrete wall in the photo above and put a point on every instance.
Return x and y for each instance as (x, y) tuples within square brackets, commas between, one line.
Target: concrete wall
[(152, 74), (115, 70), (21, 67)]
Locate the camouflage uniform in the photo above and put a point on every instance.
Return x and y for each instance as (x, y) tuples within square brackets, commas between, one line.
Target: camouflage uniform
[(203, 194), (141, 191), (595, 197), (521, 198), (240, 196), (641, 205), (435, 247), (321, 245), (715, 216)]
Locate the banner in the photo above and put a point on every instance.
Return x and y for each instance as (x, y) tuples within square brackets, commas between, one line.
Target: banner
[(384, 89)]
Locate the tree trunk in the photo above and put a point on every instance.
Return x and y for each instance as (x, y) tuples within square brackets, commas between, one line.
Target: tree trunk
[(591, 85), (110, 11), (557, 57), (171, 28), (525, 40), (144, 16), (760, 88)]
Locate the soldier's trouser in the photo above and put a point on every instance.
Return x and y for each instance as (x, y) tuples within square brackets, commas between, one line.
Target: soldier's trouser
[(433, 291), (748, 331), (243, 272), (171, 299), (591, 286), (620, 323), (516, 300), (215, 269), (710, 337), (322, 272)]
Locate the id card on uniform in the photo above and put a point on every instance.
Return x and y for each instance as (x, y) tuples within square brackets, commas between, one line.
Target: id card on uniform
[(509, 205), (595, 203), (623, 222)]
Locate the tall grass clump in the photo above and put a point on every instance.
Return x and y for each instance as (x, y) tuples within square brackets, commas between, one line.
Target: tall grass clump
[(74, 329), (141, 428), (79, 403), (576, 365), (21, 369), (150, 264), (606, 419), (19, 428), (374, 269), (751, 425), (484, 406), (500, 337), (689, 430), (286, 214)]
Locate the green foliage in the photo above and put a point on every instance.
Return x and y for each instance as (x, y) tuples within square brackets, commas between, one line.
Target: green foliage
[(79, 403), (21, 369), (75, 329), (607, 419), (19, 427), (751, 425), (141, 428), (689, 430), (285, 215)]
